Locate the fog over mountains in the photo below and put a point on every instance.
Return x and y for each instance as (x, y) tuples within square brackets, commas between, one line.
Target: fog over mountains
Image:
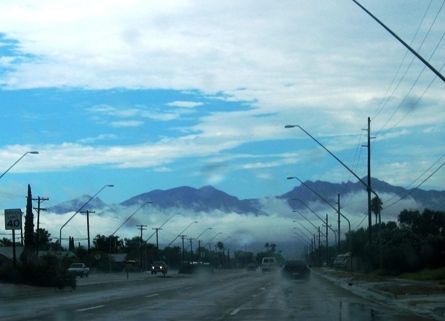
[(208, 198)]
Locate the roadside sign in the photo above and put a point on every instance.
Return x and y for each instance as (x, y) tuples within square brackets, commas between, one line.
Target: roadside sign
[(13, 219)]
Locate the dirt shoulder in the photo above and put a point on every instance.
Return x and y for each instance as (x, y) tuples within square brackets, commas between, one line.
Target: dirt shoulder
[(420, 297)]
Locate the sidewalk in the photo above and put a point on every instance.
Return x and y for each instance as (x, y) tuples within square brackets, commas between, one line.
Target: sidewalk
[(421, 297)]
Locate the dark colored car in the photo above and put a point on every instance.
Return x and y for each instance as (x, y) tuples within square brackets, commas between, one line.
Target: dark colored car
[(159, 267), (251, 267), (196, 267), (295, 270)]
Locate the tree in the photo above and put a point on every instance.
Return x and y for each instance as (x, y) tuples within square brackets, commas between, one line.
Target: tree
[(220, 246), (273, 247), (29, 223), (376, 208), (5, 242), (107, 244), (42, 239), (71, 246)]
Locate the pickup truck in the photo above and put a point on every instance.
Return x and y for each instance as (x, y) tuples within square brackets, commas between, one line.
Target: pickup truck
[(79, 269)]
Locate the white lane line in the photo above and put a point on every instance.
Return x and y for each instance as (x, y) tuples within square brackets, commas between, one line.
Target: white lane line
[(234, 312), (90, 308), (152, 295)]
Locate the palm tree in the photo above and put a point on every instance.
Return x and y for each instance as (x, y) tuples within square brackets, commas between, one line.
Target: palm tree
[(376, 208)]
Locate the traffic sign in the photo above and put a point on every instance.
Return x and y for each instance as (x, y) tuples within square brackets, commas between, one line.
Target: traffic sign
[(13, 219)]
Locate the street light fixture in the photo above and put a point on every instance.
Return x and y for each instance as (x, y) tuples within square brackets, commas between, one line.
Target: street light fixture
[(367, 185), (182, 232), (199, 241), (18, 160), (328, 203), (80, 209)]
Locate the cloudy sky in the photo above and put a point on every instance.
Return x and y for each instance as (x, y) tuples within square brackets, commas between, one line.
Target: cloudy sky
[(157, 94)]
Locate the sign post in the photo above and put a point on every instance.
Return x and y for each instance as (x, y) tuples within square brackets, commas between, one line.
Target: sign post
[(13, 221)]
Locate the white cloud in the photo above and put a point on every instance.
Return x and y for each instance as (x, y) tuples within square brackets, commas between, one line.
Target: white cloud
[(97, 138), (185, 104), (126, 123)]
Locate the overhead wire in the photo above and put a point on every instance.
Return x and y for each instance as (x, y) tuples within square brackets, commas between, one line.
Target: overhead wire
[(412, 87), (387, 97), (411, 62), (419, 177), (417, 186)]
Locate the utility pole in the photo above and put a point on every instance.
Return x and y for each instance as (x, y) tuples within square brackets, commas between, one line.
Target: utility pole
[(368, 187), (141, 227), (156, 229), (183, 250), (39, 208), (338, 223), (191, 248), (327, 240), (87, 212), (319, 245)]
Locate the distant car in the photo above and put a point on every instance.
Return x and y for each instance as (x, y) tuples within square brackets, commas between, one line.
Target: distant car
[(79, 269), (342, 261), (159, 267), (295, 270), (196, 267), (268, 263), (251, 267)]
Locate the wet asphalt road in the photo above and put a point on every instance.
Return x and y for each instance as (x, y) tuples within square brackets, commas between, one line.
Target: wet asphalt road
[(225, 295)]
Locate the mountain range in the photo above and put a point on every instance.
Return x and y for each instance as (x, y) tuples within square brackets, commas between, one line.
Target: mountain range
[(208, 198)]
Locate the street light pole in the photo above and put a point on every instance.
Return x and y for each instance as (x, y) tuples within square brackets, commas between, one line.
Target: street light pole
[(81, 208), (199, 241), (188, 226), (337, 209), (367, 186), (87, 212), (18, 160)]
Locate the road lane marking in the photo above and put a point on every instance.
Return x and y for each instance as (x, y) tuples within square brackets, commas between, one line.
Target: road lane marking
[(90, 308), (234, 312), (152, 295)]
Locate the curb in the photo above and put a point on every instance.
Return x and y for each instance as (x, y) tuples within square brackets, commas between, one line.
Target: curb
[(382, 297)]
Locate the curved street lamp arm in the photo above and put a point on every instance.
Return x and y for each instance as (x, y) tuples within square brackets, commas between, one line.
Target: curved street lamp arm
[(332, 154), (81, 208), (130, 216), (15, 163)]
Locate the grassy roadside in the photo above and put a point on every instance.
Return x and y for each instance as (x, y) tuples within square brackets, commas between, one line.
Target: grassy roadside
[(426, 275)]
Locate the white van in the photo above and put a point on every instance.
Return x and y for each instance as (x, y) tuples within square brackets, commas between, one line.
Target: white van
[(268, 263)]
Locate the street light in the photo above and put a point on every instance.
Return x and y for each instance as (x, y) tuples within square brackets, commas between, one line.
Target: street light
[(130, 216), (328, 203), (18, 160), (199, 241), (367, 185), (182, 232), (212, 238), (81, 208)]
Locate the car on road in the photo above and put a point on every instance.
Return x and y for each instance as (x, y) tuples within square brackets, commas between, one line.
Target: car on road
[(268, 263), (251, 267), (295, 270), (79, 269), (159, 267)]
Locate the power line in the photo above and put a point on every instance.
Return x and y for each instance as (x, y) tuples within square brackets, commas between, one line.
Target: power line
[(412, 87), (385, 101), (418, 177), (410, 64), (418, 99), (420, 184)]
